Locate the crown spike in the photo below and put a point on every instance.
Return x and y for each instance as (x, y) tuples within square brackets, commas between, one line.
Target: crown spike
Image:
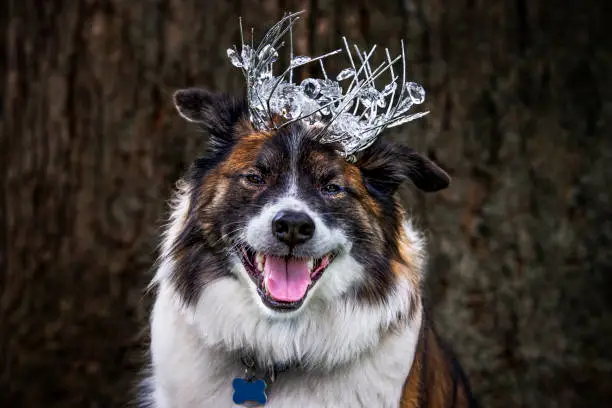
[(241, 33), (290, 50), (348, 52), (323, 69), (393, 81)]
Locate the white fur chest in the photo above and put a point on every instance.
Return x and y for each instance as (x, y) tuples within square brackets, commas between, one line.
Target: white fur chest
[(190, 374)]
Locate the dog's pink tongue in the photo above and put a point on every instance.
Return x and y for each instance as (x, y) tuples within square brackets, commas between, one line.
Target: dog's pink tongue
[(286, 280)]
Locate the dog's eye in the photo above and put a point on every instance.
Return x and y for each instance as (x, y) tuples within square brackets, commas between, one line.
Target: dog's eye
[(255, 179), (332, 189)]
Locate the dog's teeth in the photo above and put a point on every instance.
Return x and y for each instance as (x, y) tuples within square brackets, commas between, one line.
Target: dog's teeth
[(259, 261), (310, 264), (265, 286)]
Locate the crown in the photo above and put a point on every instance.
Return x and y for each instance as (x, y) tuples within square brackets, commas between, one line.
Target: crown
[(351, 116)]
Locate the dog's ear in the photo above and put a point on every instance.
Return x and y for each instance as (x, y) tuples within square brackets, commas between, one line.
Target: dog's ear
[(215, 113), (384, 166)]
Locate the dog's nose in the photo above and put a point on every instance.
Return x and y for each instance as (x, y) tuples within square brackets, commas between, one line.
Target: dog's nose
[(292, 227)]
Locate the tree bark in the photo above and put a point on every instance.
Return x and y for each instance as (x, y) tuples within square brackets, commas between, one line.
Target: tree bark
[(90, 147)]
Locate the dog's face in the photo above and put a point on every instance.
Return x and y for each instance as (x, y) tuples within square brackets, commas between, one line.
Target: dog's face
[(288, 216)]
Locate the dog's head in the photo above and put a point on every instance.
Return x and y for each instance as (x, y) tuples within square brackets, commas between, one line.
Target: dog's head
[(287, 216)]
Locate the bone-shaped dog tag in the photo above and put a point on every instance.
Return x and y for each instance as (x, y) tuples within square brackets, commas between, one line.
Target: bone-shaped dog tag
[(246, 391)]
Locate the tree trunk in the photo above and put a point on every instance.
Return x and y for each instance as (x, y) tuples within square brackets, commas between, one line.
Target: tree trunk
[(90, 147)]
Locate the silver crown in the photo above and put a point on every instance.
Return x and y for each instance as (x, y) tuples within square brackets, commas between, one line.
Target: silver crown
[(352, 118)]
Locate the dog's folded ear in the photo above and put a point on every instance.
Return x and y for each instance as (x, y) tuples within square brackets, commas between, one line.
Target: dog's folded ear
[(385, 166), (215, 113)]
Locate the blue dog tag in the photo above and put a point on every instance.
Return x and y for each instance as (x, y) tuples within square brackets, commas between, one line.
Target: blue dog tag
[(249, 391)]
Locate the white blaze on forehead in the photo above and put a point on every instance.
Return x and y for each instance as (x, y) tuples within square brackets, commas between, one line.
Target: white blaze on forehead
[(294, 154)]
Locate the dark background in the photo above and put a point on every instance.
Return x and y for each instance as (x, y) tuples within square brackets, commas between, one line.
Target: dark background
[(90, 147)]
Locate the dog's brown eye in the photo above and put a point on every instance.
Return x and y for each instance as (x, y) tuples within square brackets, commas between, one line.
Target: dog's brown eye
[(255, 179), (332, 189)]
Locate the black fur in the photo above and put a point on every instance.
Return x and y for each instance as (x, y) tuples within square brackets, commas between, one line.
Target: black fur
[(215, 113), (386, 165)]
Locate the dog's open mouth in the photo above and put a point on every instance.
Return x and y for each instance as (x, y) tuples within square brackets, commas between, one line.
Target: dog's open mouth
[(283, 282)]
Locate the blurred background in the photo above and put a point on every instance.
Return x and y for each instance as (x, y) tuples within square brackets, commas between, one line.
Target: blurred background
[(90, 147)]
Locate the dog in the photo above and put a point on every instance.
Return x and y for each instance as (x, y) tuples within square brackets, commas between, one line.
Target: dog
[(285, 264)]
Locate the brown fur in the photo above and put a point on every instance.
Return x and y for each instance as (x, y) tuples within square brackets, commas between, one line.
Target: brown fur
[(245, 152), (435, 380), (407, 265), (353, 175)]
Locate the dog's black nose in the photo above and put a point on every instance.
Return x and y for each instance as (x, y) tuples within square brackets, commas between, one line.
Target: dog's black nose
[(292, 227)]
